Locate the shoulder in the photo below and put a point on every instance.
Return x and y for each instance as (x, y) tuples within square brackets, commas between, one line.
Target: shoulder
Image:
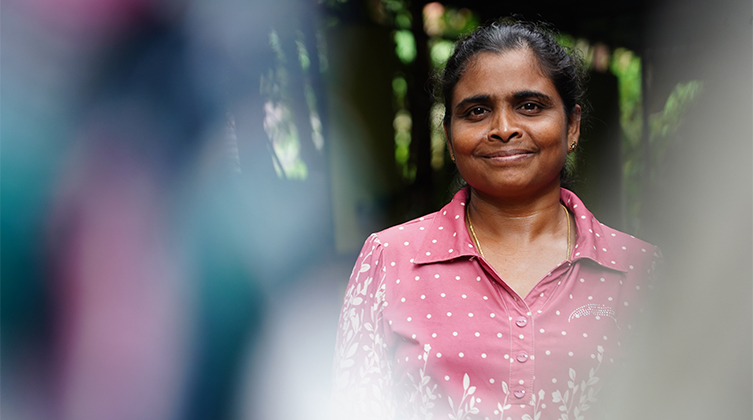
[(412, 232), (621, 241), (611, 247), (396, 245), (636, 256)]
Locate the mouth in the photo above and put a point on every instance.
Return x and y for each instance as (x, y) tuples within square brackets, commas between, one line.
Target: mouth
[(509, 155)]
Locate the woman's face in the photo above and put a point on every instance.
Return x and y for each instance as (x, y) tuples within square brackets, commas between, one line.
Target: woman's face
[(508, 129)]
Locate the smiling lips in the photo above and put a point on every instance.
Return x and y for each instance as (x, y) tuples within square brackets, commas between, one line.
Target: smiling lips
[(508, 155)]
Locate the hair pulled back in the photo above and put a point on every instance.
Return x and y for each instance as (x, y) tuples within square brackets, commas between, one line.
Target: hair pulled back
[(561, 65)]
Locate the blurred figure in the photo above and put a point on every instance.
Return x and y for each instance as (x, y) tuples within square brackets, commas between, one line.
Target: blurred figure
[(131, 288)]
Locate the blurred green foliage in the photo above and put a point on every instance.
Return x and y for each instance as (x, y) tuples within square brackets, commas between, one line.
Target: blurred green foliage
[(439, 51), (405, 45), (663, 125), (279, 121), (639, 169), (627, 67)]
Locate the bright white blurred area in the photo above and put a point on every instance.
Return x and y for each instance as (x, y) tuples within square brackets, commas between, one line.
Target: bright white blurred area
[(185, 186)]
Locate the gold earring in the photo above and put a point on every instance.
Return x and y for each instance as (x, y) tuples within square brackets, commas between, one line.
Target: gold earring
[(572, 147)]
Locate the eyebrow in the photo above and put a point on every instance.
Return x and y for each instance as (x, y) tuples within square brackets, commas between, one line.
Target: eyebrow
[(472, 100), (532, 94)]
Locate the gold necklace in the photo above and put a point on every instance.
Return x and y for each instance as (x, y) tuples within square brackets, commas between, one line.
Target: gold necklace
[(567, 217), (478, 245), (470, 227)]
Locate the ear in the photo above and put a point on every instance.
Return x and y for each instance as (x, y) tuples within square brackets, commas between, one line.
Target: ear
[(449, 142), (573, 126)]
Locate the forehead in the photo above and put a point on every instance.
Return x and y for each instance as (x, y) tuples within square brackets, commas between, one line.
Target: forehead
[(503, 73)]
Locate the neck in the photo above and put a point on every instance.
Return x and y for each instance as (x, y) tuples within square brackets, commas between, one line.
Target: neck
[(516, 219)]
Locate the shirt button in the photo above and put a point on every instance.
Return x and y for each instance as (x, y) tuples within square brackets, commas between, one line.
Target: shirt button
[(521, 321), (519, 393), (522, 357)]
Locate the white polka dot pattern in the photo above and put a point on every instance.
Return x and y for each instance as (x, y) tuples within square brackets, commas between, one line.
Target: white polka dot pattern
[(454, 342)]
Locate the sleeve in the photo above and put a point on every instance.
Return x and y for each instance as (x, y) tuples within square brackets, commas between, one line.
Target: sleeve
[(362, 376)]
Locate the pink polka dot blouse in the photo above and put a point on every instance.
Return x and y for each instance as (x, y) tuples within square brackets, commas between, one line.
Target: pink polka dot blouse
[(429, 330)]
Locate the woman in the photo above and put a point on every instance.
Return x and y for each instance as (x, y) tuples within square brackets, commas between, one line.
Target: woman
[(512, 301)]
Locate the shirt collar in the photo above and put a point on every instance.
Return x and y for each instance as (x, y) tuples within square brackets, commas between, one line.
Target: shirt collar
[(591, 241), (448, 237)]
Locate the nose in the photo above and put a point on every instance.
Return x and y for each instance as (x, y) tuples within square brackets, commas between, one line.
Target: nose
[(504, 127)]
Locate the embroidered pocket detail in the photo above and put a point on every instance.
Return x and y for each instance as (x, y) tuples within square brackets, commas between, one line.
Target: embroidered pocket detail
[(596, 310)]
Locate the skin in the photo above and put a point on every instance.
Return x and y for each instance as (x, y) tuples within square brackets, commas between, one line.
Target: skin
[(509, 135)]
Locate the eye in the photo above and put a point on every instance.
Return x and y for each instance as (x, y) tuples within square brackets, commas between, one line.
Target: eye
[(530, 107), (477, 110), (475, 113)]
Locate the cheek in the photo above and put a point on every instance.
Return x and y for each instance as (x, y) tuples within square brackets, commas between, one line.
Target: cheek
[(553, 135), (463, 138)]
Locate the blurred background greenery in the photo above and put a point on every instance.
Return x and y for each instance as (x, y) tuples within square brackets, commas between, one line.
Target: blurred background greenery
[(624, 141)]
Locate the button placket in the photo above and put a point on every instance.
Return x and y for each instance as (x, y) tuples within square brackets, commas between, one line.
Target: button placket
[(521, 366)]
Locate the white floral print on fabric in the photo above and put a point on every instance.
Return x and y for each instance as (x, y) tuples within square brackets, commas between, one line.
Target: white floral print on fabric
[(466, 405), (584, 392), (362, 375), (425, 392)]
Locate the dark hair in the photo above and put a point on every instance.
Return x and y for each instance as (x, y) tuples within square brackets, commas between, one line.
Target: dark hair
[(562, 65)]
